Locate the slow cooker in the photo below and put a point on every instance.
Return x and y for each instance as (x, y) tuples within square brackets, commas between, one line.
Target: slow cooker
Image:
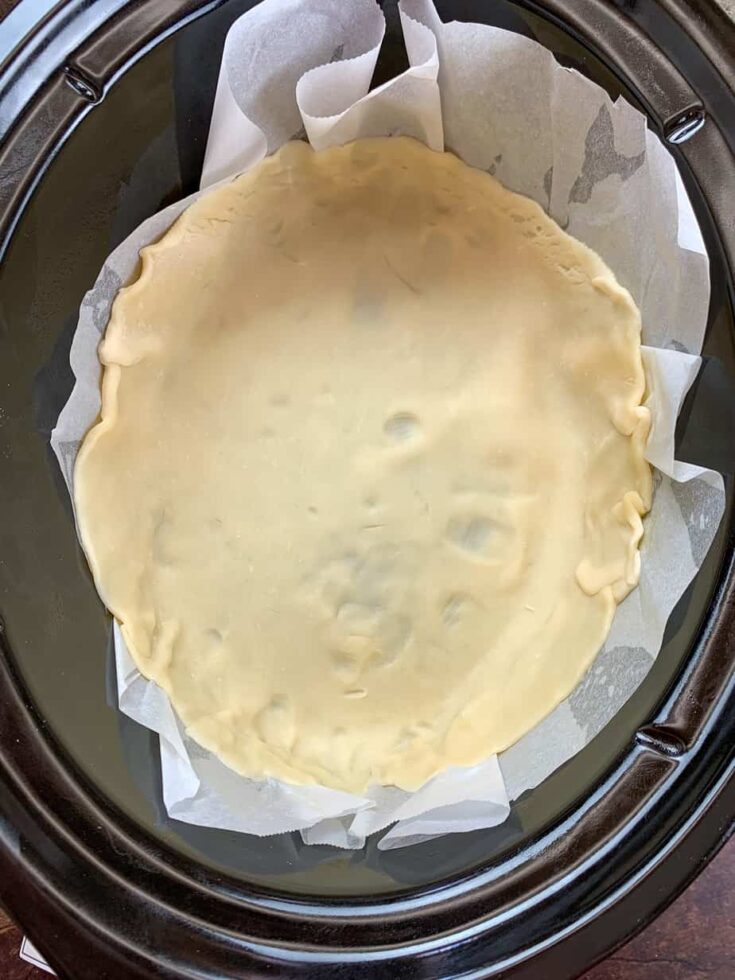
[(104, 109)]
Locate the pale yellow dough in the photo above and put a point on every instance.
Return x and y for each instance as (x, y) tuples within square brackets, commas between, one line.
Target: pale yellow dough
[(369, 476)]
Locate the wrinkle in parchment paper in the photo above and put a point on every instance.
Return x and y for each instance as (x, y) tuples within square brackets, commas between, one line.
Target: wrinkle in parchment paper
[(295, 68)]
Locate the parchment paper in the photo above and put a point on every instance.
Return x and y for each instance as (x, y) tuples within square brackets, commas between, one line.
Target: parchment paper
[(296, 68)]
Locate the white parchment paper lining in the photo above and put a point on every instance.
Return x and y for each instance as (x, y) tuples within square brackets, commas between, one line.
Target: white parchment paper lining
[(295, 68)]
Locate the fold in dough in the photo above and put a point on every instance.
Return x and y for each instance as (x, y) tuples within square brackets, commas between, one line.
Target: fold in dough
[(369, 477)]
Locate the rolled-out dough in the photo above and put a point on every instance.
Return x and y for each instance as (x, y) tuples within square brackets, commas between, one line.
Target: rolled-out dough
[(369, 477)]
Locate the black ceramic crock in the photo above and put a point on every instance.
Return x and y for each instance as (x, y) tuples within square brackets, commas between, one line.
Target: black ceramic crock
[(103, 119)]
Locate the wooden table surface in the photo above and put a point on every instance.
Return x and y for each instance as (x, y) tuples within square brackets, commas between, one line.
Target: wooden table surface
[(693, 940)]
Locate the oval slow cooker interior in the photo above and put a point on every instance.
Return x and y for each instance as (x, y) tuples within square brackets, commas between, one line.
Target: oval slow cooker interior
[(137, 150)]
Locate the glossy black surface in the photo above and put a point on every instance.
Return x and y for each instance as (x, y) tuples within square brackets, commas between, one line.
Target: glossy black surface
[(103, 149)]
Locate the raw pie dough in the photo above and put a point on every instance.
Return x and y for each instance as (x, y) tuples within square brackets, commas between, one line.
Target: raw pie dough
[(369, 476)]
